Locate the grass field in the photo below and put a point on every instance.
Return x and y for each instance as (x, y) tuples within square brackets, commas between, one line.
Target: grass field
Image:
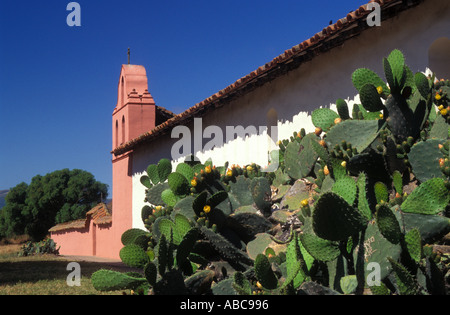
[(46, 274)]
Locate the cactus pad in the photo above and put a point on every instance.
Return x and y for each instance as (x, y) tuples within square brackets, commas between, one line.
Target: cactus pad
[(154, 194), (264, 272), (334, 219), (400, 118), (363, 204), (424, 159), (342, 108), (185, 170), (109, 280), (300, 158), (440, 129), (429, 198), (423, 85), (152, 172), (375, 248), (413, 242), (179, 184), (320, 249), (370, 98), (405, 281), (134, 256), (241, 284), (431, 227), (130, 235), (324, 118), (366, 76), (388, 224), (381, 192), (164, 169), (395, 70), (169, 198), (360, 133), (346, 188), (258, 245)]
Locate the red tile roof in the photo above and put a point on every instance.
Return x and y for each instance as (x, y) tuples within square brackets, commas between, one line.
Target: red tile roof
[(330, 37)]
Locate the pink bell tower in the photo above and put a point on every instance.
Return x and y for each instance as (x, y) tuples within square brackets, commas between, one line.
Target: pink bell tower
[(133, 115)]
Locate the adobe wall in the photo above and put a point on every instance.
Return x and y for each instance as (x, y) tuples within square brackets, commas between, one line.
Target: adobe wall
[(122, 192), (93, 240), (74, 242)]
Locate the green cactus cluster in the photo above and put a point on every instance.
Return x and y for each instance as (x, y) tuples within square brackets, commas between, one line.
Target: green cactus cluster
[(362, 190)]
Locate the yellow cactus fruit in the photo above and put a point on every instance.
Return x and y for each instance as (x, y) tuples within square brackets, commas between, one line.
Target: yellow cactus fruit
[(380, 90), (304, 203), (229, 173), (326, 171), (337, 121), (158, 208), (249, 168), (438, 97), (208, 169), (344, 164), (323, 143), (207, 209), (318, 131), (259, 285), (444, 112), (194, 183)]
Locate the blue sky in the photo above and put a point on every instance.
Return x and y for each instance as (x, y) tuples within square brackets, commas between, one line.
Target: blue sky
[(58, 84)]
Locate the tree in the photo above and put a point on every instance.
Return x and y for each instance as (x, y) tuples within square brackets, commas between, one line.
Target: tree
[(11, 222), (57, 197)]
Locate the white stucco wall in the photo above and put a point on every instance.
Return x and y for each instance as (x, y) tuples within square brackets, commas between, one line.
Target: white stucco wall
[(318, 83)]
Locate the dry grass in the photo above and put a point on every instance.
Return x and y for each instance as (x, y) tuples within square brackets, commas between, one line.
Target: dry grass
[(9, 251), (45, 275)]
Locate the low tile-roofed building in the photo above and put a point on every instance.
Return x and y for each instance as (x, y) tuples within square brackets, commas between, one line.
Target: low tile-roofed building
[(100, 214)]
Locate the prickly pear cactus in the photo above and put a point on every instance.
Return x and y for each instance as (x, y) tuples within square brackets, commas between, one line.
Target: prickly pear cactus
[(353, 205)]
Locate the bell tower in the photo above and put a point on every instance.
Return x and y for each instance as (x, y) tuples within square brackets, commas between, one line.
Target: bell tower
[(133, 115), (135, 110)]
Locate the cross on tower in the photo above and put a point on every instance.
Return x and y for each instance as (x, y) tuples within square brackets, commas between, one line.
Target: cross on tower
[(129, 55)]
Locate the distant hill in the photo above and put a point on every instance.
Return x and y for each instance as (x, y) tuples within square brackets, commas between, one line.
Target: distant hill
[(3, 194)]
